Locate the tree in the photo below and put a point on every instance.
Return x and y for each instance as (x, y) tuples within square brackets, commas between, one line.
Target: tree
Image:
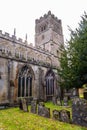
[(73, 61)]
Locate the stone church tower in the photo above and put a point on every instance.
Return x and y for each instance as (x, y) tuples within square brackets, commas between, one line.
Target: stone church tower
[(48, 33)]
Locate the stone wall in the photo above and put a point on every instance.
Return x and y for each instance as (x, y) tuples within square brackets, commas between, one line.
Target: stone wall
[(79, 112), (3, 81)]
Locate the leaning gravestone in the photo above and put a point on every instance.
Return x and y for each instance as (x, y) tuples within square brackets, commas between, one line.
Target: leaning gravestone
[(43, 111), (34, 107), (79, 112), (46, 112), (65, 116), (56, 114)]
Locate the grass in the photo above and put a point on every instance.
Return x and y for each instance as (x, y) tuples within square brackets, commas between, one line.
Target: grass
[(15, 119)]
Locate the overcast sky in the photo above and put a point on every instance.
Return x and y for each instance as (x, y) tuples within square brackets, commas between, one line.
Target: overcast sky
[(21, 14)]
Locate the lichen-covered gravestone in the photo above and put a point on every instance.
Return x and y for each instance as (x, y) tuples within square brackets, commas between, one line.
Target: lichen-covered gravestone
[(74, 93), (43, 111), (79, 112), (40, 108), (55, 114), (23, 105), (65, 101), (34, 107), (59, 103), (65, 116), (54, 100)]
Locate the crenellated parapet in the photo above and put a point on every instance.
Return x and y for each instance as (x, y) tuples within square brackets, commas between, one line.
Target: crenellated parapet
[(48, 32), (49, 14), (12, 38)]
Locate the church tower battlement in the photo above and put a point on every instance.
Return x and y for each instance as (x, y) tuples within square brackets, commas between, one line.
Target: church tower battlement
[(48, 33)]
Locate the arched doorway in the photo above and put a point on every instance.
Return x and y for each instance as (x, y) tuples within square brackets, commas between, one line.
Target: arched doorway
[(49, 84), (25, 81)]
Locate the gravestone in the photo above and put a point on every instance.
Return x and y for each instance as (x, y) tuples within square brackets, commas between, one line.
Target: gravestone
[(20, 104), (59, 102), (74, 93), (65, 101), (56, 114), (46, 112), (65, 116), (79, 111), (40, 108), (54, 100), (43, 111), (23, 105), (85, 93), (34, 107)]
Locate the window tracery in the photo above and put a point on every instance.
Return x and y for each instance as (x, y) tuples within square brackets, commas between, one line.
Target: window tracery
[(25, 82), (50, 85)]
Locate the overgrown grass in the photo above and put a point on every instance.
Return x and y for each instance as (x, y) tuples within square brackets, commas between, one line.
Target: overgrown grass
[(14, 119)]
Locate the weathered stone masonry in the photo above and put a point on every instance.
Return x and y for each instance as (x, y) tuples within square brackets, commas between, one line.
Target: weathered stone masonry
[(27, 70)]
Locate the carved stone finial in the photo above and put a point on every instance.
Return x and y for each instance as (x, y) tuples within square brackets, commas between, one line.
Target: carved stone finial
[(14, 31), (49, 12), (26, 37), (45, 15)]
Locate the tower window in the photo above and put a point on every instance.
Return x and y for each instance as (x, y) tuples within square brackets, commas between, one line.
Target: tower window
[(42, 28)]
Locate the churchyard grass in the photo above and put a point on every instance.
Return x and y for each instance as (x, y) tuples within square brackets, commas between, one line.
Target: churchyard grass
[(15, 119)]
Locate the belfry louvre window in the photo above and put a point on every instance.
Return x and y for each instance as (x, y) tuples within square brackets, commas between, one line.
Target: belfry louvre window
[(25, 82), (43, 27)]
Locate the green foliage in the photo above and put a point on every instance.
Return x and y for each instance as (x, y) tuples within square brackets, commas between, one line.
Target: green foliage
[(73, 61), (15, 119)]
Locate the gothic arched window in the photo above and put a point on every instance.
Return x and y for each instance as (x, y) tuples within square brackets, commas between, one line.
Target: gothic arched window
[(25, 82), (49, 85)]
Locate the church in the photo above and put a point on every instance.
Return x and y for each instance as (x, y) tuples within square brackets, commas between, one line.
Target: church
[(28, 70)]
